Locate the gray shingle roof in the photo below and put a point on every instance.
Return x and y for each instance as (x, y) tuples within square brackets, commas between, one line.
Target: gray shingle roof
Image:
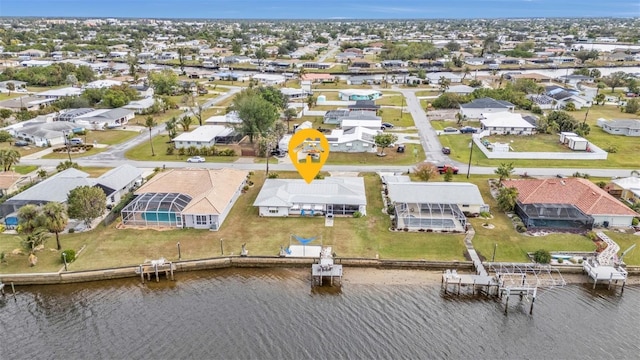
[(624, 124), (332, 190), (484, 103)]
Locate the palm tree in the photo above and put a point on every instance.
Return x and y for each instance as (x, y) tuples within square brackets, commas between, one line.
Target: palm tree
[(289, 114), (444, 83), (8, 158), (170, 126), (467, 71), (28, 218), (149, 123), (35, 239), (507, 198), (55, 219), (185, 122), (504, 171)]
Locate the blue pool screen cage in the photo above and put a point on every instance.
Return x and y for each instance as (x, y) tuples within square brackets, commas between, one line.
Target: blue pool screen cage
[(156, 210)]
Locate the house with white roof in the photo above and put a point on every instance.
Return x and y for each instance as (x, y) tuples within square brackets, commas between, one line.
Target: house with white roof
[(101, 84), (202, 136), (59, 93), (44, 134), (140, 106), (340, 196), (105, 118), (506, 123), (269, 79), (118, 181), (355, 139), (227, 119)]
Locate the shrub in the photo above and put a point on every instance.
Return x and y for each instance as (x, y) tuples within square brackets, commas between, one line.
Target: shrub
[(3, 257), (485, 214), (391, 209), (273, 175), (2, 228), (542, 256), (560, 260), (592, 235), (245, 188), (357, 214), (520, 228), (72, 230), (170, 150), (635, 222), (4, 136), (71, 255)]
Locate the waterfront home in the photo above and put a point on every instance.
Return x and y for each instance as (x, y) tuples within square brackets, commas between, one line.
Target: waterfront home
[(119, 181), (434, 206), (294, 197), (567, 204), (186, 198)]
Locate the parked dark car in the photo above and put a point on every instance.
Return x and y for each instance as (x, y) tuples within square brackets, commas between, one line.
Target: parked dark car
[(468, 130), (450, 130), (21, 143), (400, 148), (446, 150), (386, 125)]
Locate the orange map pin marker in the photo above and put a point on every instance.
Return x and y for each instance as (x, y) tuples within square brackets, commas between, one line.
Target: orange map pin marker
[(308, 150)]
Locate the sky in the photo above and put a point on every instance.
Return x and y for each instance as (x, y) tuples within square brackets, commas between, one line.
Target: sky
[(321, 9)]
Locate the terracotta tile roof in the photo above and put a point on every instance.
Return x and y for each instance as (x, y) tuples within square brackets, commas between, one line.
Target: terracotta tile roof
[(582, 193), (211, 190), (8, 178)]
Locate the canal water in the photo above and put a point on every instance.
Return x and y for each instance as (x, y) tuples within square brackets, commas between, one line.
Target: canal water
[(274, 314)]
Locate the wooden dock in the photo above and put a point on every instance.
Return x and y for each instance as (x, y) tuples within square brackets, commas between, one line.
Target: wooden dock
[(156, 267), (325, 268)]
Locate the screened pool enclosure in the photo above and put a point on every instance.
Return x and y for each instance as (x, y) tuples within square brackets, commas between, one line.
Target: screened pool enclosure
[(156, 210)]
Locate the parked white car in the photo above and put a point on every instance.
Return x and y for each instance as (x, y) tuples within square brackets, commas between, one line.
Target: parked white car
[(196, 159)]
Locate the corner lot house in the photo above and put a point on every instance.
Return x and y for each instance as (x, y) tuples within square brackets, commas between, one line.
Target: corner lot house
[(506, 123), (294, 197), (479, 107), (567, 204), (435, 206), (186, 198)]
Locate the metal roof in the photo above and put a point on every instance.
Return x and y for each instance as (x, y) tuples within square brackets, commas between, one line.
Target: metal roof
[(332, 190), (434, 193), (120, 177), (55, 188)]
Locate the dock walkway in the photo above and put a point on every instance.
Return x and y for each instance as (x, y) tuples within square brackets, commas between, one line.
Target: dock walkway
[(477, 264)]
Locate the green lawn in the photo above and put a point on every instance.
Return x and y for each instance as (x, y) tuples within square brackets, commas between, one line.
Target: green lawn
[(391, 100), (109, 137), (23, 150), (350, 237), (25, 169), (625, 145), (142, 152), (427, 93), (393, 116), (329, 95), (393, 157)]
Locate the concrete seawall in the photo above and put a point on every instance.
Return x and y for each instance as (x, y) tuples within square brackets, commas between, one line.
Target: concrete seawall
[(250, 262), (224, 263)]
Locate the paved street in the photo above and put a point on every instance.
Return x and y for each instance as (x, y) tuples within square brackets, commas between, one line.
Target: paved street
[(428, 138)]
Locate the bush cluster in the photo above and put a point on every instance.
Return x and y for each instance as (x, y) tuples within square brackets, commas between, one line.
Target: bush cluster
[(75, 148), (70, 254), (205, 151)]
